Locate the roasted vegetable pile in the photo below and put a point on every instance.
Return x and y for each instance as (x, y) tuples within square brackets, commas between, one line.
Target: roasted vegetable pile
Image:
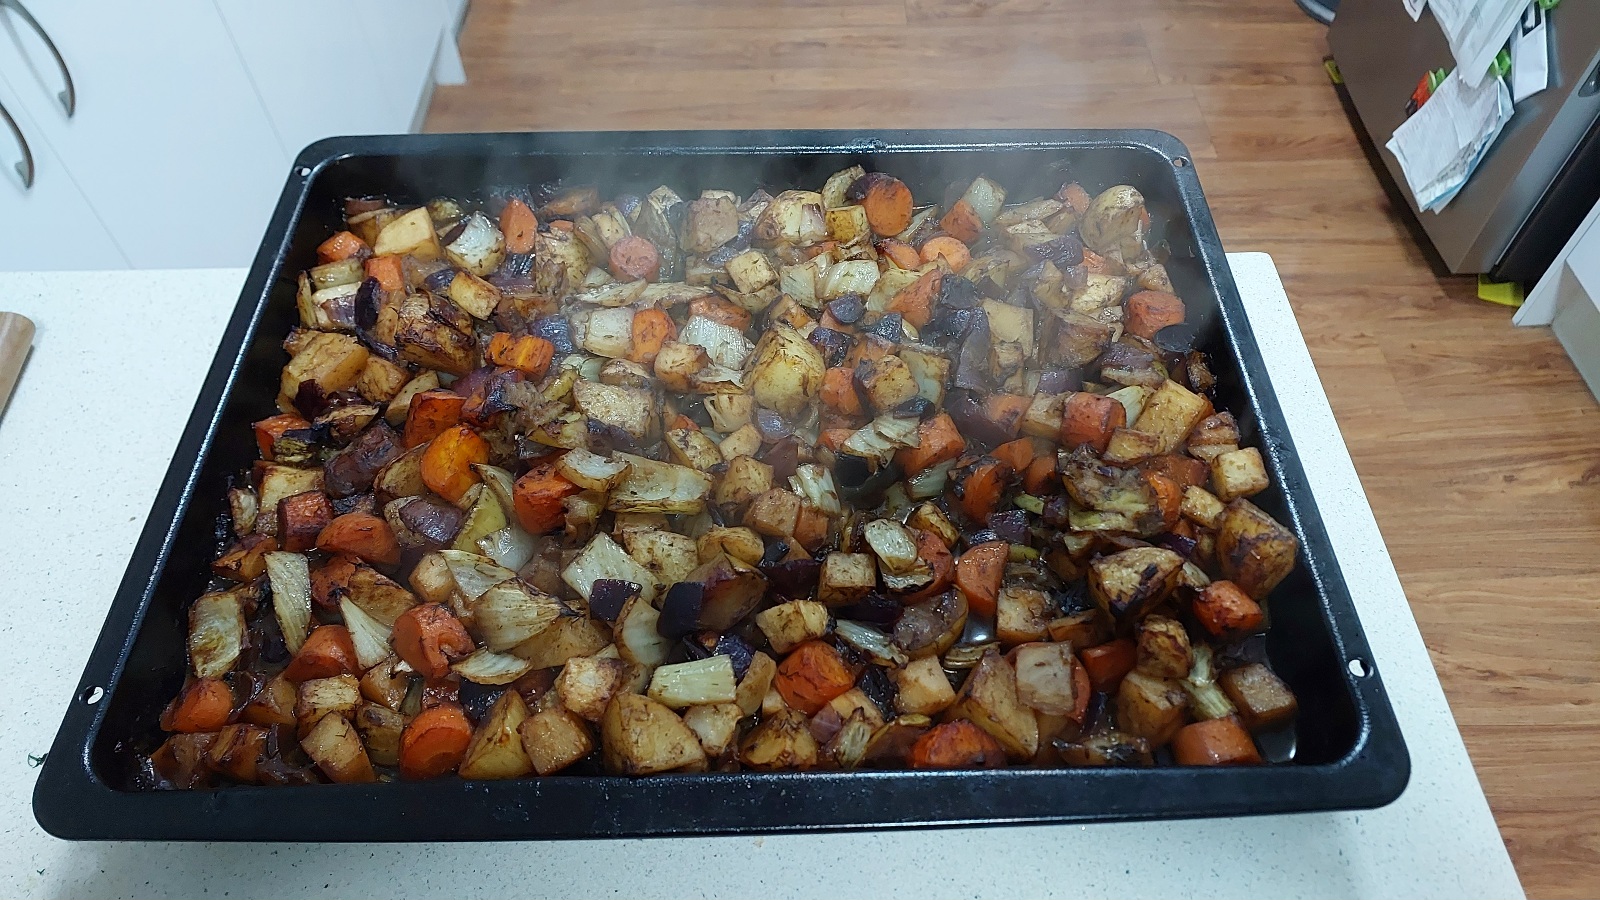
[(822, 480)]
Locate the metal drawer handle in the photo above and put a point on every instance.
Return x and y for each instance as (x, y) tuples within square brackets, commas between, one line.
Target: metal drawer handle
[(68, 96), (25, 165)]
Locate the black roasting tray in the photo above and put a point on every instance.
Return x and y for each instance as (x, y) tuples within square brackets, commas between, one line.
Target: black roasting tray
[(1346, 751)]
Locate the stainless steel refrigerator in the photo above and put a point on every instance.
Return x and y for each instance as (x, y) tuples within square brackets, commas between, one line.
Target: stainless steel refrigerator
[(1539, 179)]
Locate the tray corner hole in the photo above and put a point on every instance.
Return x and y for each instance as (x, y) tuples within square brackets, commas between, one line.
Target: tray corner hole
[(1180, 161), (91, 695), (1359, 668)]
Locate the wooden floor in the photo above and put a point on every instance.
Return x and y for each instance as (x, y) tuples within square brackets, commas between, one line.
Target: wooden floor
[(1477, 443)]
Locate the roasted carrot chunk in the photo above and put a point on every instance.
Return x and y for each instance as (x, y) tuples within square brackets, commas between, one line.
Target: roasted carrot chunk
[(429, 638), (1169, 496), (1081, 689), (634, 257), (931, 550), (430, 413), (955, 253), (1109, 662), (246, 560), (528, 354), (389, 270), (839, 392), (328, 651), (341, 246), (887, 201), (1006, 411), (980, 491), (834, 438), (448, 461), (363, 535), (651, 328), (938, 441), (330, 582), (900, 253), (1090, 419), (978, 575), (957, 745), (270, 429), (204, 706), (434, 742), (720, 309), (1225, 610), (1041, 476), (1151, 311), (538, 495), (1216, 742), (916, 300), (961, 222), (301, 518), (812, 675), (519, 225), (1018, 454)]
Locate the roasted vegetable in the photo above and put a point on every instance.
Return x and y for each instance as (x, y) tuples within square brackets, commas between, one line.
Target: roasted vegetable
[(724, 483)]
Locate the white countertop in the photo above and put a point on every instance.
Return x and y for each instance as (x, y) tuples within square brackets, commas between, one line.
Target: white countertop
[(116, 364)]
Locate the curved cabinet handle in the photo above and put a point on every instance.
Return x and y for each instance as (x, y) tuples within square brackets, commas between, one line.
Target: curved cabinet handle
[(25, 165), (69, 95)]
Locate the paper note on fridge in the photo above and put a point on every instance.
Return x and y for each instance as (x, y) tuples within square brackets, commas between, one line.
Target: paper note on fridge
[(1440, 145), (1476, 30), (1530, 54), (1414, 8)]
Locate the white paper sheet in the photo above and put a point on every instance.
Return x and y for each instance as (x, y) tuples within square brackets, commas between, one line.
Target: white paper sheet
[(1415, 7), (1530, 54), (1476, 30), (1440, 145)]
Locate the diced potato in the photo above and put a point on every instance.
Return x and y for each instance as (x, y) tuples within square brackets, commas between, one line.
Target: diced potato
[(1238, 473), (788, 371), (692, 448), (694, 683), (751, 271), (1163, 648), (554, 738), (587, 684), (708, 223), (478, 297), (1151, 708), (744, 441), (888, 382), (1046, 680), (409, 234), (745, 479), (496, 750), (1253, 550), (336, 749), (1215, 434), (922, 687), (657, 487), (602, 558), (788, 625), (1201, 507), (1022, 614), (1171, 413), (989, 700), (678, 363), (756, 683), (381, 380), (774, 513), (782, 741), (848, 223), (630, 409), (642, 737), (380, 729), (1084, 628), (740, 543), (670, 557), (1129, 446), (1128, 583), (278, 483), (716, 725), (929, 517), (318, 697), (1262, 698), (846, 578)]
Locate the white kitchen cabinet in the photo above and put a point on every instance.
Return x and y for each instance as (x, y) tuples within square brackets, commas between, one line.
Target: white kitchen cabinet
[(49, 225), (190, 112), (327, 68)]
